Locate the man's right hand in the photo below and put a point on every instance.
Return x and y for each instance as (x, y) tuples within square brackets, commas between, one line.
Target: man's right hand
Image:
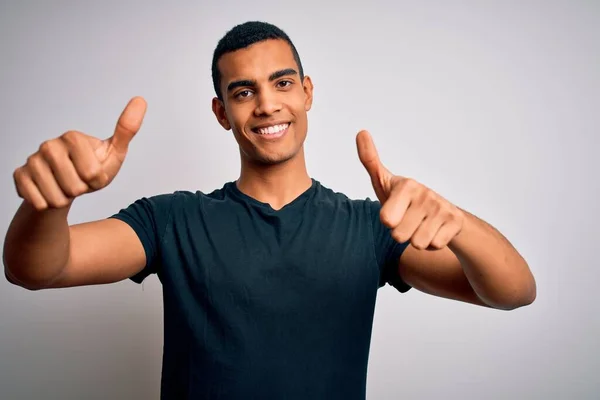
[(75, 163)]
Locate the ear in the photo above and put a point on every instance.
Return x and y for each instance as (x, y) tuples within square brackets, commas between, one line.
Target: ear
[(308, 91), (219, 110)]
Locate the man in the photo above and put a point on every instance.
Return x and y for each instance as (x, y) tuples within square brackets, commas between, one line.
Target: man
[(269, 283)]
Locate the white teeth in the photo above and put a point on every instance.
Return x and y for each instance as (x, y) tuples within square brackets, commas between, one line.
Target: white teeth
[(273, 129)]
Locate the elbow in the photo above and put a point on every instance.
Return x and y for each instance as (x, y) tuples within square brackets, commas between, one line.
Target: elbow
[(528, 293), (27, 277), (529, 287), (518, 302), (31, 286), (522, 297), (21, 280)]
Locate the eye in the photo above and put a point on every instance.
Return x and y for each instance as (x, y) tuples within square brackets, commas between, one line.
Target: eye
[(243, 94), (284, 84)]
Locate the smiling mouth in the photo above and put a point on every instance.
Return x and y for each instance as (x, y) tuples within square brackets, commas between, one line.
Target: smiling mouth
[(273, 131)]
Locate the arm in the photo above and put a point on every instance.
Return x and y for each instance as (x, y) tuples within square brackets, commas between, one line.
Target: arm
[(478, 266), (451, 253), (42, 251)]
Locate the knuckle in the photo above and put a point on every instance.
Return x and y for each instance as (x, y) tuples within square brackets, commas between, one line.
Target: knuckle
[(417, 244), (442, 241), (410, 183), (59, 201), (69, 134), (89, 173), (71, 191), (50, 150), (46, 148), (82, 188), (385, 218), (448, 215), (71, 137), (438, 243), (437, 209), (34, 161), (103, 179), (39, 205), (431, 196), (18, 181), (18, 174), (78, 189), (399, 236)]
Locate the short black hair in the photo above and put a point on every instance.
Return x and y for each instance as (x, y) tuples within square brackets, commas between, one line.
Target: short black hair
[(244, 35)]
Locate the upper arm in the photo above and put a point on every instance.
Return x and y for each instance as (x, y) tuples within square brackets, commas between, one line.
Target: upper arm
[(437, 272), (103, 251)]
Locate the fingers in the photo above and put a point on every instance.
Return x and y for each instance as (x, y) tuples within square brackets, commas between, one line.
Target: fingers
[(393, 210), (417, 214), (62, 169), (27, 190), (405, 216), (74, 163), (425, 233), (84, 168), (445, 234), (43, 178), (56, 155), (405, 193), (129, 123)]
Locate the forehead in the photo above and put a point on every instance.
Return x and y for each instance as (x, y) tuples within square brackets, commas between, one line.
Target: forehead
[(257, 61)]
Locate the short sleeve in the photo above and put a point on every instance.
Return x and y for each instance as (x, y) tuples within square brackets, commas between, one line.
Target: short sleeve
[(148, 217), (387, 250)]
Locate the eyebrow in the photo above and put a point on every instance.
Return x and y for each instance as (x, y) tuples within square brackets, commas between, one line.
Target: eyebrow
[(275, 75)]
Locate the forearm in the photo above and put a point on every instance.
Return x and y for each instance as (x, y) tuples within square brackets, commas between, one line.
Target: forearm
[(36, 247), (496, 271)]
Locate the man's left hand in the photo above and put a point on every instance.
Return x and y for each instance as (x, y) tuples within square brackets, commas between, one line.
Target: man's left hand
[(411, 210)]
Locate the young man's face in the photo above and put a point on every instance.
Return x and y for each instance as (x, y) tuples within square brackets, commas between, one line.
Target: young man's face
[(264, 101)]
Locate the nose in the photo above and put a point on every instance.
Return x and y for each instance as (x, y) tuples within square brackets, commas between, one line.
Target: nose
[(267, 103)]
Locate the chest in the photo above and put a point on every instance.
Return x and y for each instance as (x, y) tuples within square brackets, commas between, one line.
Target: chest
[(273, 265)]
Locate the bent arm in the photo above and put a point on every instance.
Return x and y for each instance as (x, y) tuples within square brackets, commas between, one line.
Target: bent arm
[(42, 251), (479, 266)]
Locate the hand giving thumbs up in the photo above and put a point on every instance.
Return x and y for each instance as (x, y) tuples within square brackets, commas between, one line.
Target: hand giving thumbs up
[(75, 163), (411, 210)]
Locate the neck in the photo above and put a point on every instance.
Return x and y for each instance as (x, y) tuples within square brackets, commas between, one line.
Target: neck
[(277, 184)]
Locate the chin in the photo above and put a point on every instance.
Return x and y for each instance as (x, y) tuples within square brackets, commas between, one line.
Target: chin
[(273, 159)]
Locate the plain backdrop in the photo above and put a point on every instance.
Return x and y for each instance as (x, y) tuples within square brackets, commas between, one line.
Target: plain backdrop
[(493, 104)]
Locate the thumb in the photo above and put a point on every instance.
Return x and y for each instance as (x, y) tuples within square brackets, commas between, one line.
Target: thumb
[(129, 124), (367, 153)]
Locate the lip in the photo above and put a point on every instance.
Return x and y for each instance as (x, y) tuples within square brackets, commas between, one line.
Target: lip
[(273, 136)]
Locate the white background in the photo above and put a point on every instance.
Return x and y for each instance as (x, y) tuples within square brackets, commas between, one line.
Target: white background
[(493, 104)]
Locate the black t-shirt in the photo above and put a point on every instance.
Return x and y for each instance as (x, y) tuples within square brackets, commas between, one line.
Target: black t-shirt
[(262, 303)]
